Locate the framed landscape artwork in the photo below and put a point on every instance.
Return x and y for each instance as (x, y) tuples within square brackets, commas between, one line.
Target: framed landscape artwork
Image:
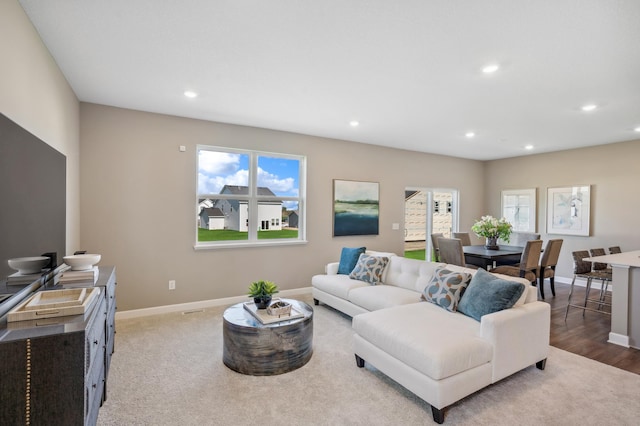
[(355, 207), (568, 210)]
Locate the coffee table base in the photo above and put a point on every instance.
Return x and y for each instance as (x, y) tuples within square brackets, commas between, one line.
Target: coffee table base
[(260, 350)]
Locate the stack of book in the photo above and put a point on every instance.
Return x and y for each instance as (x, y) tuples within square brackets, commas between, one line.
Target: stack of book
[(22, 279), (86, 278)]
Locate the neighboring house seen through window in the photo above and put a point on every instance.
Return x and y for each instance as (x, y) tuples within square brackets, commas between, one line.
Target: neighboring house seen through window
[(249, 197)]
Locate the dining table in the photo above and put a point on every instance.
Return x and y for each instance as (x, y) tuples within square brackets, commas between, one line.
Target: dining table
[(486, 258)]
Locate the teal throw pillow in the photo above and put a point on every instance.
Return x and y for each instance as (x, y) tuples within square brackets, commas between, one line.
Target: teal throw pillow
[(349, 258), (446, 288), (369, 269), (487, 294)]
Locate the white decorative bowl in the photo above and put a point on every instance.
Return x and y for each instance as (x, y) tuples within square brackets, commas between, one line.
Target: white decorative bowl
[(81, 262), (28, 265)]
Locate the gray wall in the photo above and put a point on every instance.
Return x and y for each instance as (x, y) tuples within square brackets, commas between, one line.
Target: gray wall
[(138, 203), (612, 171)]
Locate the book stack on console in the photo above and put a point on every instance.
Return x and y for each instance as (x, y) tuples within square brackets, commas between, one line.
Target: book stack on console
[(22, 279), (71, 278)]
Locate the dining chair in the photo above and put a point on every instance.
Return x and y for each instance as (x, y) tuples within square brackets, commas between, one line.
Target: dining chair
[(516, 239), (434, 243), (464, 237), (519, 239), (548, 264), (583, 269), (451, 252), (528, 266), (615, 250)]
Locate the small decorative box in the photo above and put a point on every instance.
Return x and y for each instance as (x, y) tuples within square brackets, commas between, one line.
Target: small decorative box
[(279, 308)]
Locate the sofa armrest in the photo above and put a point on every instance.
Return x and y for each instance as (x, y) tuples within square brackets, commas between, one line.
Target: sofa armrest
[(520, 337), (331, 268)]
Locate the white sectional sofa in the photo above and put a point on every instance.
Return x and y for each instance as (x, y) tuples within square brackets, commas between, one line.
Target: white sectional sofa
[(438, 354)]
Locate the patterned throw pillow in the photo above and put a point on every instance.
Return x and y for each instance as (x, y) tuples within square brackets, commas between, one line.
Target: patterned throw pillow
[(369, 269), (446, 288)]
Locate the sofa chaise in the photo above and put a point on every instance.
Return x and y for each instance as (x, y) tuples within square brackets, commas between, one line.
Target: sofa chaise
[(477, 328)]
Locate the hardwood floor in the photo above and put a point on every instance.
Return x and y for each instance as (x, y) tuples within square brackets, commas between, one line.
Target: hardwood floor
[(586, 336)]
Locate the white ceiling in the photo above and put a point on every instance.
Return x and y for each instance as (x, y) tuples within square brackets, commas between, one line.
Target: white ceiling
[(408, 70)]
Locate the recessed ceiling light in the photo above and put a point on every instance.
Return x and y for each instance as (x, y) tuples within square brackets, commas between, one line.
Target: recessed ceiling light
[(589, 107), (490, 69), (528, 147), (354, 123), (190, 94), (469, 135)]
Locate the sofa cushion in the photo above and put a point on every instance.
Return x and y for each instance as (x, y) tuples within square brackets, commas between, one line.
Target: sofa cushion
[(369, 269), (412, 274), (382, 296), (446, 288), (348, 259), (488, 293), (411, 333), (336, 285)]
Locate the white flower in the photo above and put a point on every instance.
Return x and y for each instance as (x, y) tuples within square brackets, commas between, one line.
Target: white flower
[(490, 227)]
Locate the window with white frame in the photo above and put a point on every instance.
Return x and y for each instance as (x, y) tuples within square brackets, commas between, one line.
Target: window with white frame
[(249, 197), (519, 208)]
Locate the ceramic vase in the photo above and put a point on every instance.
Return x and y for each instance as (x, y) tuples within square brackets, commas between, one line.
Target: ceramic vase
[(491, 243), (262, 302)]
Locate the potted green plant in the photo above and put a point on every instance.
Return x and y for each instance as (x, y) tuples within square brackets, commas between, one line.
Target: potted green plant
[(262, 291)]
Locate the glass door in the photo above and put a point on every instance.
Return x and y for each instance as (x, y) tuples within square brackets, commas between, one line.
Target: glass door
[(427, 211)]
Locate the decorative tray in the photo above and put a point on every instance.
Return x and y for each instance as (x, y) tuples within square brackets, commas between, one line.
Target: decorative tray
[(56, 299), (263, 316), (55, 303)]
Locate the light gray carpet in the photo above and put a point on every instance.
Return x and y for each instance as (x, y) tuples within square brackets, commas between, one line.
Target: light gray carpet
[(168, 370)]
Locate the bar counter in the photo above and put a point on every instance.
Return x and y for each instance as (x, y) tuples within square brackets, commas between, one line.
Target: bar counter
[(625, 292)]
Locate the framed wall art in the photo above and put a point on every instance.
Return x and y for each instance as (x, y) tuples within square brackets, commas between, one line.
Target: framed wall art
[(568, 210), (356, 207)]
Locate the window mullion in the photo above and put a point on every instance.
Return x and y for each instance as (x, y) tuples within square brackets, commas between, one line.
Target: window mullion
[(253, 192)]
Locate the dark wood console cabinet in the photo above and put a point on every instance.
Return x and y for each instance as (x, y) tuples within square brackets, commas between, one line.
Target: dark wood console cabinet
[(54, 371)]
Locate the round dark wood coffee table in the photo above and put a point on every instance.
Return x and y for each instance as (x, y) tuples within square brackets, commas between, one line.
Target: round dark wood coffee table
[(251, 347)]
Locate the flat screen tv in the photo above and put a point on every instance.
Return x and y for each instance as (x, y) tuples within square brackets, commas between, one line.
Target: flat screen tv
[(32, 196)]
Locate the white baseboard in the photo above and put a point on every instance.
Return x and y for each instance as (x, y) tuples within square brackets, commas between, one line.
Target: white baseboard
[(198, 306), (203, 304), (619, 339), (595, 285)]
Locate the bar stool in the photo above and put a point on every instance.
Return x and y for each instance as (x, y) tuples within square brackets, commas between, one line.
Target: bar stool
[(582, 269), (602, 269)]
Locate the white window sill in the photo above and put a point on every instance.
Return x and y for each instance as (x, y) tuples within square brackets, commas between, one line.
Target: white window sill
[(236, 244)]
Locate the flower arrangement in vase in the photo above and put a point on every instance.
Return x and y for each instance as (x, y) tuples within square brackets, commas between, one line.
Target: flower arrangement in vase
[(492, 229), (262, 291)]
